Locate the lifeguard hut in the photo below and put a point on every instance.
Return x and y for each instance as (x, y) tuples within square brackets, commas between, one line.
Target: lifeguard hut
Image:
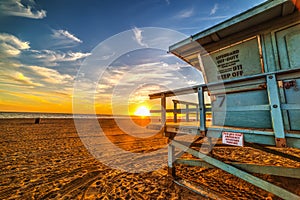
[(251, 67)]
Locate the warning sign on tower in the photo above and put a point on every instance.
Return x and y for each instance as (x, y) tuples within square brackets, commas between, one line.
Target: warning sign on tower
[(232, 138)]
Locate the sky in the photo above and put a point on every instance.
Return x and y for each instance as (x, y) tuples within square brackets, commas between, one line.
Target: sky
[(66, 56)]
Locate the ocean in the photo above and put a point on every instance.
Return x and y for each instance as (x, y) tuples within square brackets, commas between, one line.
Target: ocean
[(11, 115)]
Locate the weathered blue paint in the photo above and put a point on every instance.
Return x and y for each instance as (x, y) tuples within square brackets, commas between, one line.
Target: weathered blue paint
[(275, 105), (254, 83), (239, 173), (260, 169), (202, 109), (287, 43), (246, 112)]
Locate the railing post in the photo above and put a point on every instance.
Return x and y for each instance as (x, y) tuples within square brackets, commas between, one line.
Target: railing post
[(163, 111), (202, 110), (197, 113), (175, 111), (187, 117), (276, 115), (171, 159)]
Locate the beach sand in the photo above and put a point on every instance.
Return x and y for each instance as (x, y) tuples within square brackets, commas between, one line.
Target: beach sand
[(50, 161)]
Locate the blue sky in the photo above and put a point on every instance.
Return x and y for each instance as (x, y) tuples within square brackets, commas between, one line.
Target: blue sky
[(44, 42)]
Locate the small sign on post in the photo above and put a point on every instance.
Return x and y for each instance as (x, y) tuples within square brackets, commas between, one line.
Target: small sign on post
[(232, 138)]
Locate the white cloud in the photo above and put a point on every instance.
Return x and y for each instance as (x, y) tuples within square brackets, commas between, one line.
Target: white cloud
[(185, 13), (14, 73), (18, 78), (16, 8), (9, 64), (63, 35), (24, 79), (138, 36), (214, 9), (51, 75), (73, 56), (51, 57), (62, 39), (11, 46)]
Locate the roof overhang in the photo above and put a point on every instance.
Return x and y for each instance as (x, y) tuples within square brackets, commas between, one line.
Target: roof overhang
[(239, 27)]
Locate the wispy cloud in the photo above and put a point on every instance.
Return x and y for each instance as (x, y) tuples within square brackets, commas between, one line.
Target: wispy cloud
[(63, 35), (214, 9), (168, 2), (211, 18), (138, 36), (52, 58), (185, 13), (51, 75), (20, 78), (17, 8), (11, 46), (62, 39), (14, 75)]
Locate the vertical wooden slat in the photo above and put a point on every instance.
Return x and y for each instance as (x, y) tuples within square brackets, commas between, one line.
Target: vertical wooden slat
[(276, 115), (202, 109), (163, 110), (187, 115), (171, 159), (175, 111), (197, 113)]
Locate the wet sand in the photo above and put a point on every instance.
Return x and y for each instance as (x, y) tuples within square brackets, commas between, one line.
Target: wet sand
[(49, 161)]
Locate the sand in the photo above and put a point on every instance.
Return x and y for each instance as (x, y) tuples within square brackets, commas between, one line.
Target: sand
[(49, 161)]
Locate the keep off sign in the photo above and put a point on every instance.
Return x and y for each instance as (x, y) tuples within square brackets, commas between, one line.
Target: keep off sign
[(231, 138)]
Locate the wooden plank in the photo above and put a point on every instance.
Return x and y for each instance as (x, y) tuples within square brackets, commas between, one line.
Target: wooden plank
[(276, 114), (172, 93), (243, 130), (290, 106), (258, 136), (252, 168), (271, 170), (183, 129), (280, 192), (184, 102), (244, 108), (178, 111)]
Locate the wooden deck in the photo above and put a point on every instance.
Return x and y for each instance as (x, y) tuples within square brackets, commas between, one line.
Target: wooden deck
[(252, 135)]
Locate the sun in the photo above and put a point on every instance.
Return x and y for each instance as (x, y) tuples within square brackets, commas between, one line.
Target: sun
[(142, 111)]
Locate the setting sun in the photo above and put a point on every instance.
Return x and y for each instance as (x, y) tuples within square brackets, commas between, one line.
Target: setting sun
[(142, 111)]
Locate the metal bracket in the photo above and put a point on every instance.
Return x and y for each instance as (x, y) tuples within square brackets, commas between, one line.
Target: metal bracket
[(280, 142), (291, 83)]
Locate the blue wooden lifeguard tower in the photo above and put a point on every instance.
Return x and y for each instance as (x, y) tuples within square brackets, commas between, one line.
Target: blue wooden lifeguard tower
[(251, 67)]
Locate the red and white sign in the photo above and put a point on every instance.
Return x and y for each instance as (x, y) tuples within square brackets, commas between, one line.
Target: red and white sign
[(232, 138)]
